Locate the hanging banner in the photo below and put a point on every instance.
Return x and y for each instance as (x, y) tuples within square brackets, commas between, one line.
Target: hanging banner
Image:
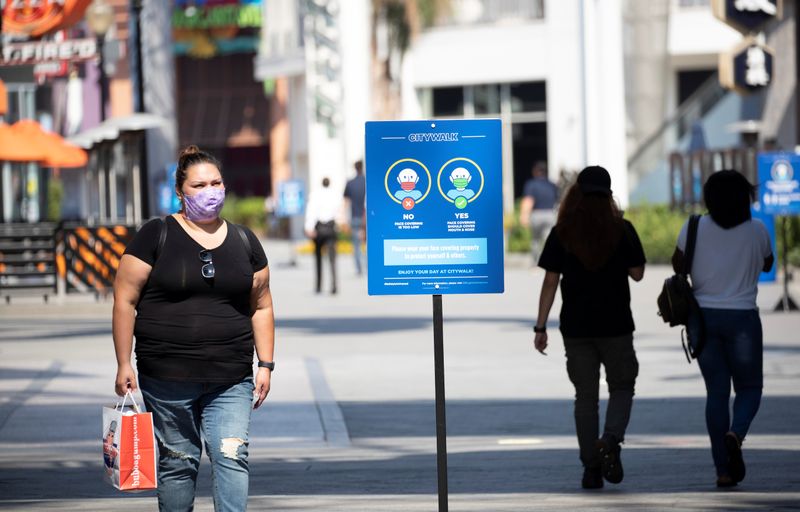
[(434, 207), (36, 18)]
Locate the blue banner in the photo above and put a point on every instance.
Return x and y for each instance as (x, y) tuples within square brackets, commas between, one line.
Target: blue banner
[(769, 222), (434, 207), (291, 198), (779, 189)]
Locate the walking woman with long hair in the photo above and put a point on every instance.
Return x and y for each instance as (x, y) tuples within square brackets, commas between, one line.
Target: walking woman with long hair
[(731, 251), (593, 251)]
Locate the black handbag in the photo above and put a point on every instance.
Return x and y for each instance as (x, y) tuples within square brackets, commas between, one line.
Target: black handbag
[(676, 302), (325, 229)]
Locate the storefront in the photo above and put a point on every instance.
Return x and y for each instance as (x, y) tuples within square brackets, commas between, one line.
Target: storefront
[(221, 107)]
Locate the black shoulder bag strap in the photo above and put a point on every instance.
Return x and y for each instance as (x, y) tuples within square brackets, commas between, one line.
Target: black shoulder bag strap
[(245, 241), (162, 238), (691, 241)]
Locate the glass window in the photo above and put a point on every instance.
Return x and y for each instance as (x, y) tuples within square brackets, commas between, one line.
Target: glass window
[(486, 99), (448, 101), (528, 97)]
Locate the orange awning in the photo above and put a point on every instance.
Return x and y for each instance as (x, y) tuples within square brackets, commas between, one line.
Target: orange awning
[(16, 147), (54, 150)]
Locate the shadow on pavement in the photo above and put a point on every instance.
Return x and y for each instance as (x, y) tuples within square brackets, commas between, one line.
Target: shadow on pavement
[(557, 471), (663, 416), (363, 325)]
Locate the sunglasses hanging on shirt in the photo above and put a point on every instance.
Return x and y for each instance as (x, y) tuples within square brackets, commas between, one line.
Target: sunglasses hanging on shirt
[(208, 269)]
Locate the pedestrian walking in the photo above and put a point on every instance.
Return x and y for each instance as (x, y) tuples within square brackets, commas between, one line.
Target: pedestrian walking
[(592, 250), (322, 212), (355, 193), (730, 252), (194, 290), (537, 209)]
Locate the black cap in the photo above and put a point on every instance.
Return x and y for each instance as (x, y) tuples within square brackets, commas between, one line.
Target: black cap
[(595, 180)]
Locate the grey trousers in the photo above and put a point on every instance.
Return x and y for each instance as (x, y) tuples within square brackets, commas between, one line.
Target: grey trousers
[(541, 222), (584, 358)]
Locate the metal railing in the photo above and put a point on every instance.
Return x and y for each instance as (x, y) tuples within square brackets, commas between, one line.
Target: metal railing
[(654, 150), (688, 171), (28, 259)]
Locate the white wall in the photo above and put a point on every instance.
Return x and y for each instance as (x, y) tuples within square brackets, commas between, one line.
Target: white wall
[(565, 116), (579, 57), (355, 48), (605, 92), (539, 50)]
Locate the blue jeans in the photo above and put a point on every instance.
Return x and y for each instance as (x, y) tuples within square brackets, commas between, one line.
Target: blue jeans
[(733, 352), (183, 414), (584, 357), (356, 226)]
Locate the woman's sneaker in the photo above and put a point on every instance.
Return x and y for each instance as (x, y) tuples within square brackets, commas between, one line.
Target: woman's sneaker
[(592, 478), (735, 461), (608, 450)]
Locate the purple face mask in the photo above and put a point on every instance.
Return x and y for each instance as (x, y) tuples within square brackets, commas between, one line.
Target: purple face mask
[(205, 205)]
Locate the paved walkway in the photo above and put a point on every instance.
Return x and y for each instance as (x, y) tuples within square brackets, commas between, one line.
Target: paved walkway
[(349, 425)]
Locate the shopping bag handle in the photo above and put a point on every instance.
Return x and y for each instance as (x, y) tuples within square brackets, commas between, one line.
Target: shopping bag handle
[(121, 405)]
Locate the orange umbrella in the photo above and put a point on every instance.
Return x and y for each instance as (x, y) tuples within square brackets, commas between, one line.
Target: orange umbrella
[(16, 147), (65, 154), (55, 151)]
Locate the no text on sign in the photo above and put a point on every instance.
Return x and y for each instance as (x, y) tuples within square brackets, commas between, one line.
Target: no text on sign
[(434, 207)]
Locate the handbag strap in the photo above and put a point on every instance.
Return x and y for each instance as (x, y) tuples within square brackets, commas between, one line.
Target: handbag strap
[(691, 241), (121, 405)]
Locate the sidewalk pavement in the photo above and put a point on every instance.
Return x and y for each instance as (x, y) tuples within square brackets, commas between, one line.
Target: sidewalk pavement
[(349, 424)]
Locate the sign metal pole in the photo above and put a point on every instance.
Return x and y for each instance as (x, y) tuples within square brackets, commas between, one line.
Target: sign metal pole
[(441, 423)]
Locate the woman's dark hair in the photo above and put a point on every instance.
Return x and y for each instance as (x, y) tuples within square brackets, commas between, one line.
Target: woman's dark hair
[(589, 226), (728, 195), (192, 155)]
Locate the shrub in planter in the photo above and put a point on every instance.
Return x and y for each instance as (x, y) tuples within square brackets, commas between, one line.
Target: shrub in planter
[(248, 211), (658, 227)]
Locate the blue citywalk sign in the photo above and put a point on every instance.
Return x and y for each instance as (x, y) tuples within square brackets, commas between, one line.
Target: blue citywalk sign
[(291, 198), (779, 194), (434, 207), (779, 188)]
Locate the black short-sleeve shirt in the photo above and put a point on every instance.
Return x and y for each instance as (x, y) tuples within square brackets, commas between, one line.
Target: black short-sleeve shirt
[(595, 303), (188, 327)]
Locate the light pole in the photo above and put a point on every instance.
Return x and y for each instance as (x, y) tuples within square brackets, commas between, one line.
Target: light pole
[(99, 17)]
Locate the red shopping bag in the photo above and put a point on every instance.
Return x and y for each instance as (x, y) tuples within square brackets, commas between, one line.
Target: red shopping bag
[(129, 447)]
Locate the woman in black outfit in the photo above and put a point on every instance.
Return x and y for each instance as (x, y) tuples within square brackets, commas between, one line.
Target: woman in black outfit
[(195, 293), (592, 250)]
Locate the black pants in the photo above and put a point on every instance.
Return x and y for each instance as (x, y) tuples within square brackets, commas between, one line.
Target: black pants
[(327, 240), (584, 357)]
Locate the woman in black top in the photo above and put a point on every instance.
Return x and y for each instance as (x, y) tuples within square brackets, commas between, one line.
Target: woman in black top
[(197, 298), (593, 251)]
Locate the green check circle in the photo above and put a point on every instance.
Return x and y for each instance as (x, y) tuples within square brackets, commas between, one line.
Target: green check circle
[(461, 202)]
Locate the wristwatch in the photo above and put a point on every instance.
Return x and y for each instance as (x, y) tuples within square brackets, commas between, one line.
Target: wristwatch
[(539, 330), (267, 364)]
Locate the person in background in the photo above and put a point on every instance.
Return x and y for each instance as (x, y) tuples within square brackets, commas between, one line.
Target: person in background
[(593, 251), (322, 212), (196, 295), (355, 194), (537, 209), (732, 249)]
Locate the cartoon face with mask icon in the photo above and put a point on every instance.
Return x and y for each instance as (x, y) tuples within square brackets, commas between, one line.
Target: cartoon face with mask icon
[(408, 179), (460, 178)]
